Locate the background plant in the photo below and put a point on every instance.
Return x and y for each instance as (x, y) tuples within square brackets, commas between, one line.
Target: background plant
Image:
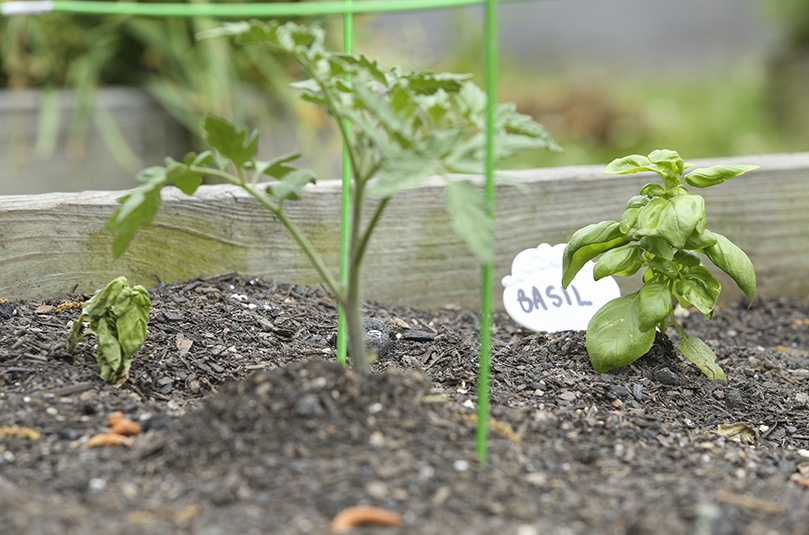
[(187, 78), (407, 127), (662, 231), (118, 316)]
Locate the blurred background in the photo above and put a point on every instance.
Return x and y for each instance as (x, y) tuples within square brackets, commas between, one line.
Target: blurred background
[(85, 102)]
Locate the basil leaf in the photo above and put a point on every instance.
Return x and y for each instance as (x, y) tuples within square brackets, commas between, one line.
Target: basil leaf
[(700, 354), (622, 261), (700, 288), (673, 219), (655, 303), (109, 354), (733, 261), (711, 176), (586, 244), (700, 240), (658, 247), (614, 336)]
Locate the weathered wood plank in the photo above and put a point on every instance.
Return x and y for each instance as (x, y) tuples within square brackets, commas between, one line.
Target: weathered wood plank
[(53, 244)]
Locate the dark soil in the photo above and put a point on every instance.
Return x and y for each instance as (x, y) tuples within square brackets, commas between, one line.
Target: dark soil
[(250, 426)]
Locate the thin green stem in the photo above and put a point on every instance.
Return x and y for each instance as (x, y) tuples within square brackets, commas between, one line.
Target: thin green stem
[(362, 245), (339, 118), (328, 279)]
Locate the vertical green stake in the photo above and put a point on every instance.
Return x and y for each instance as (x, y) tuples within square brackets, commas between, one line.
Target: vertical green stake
[(490, 22), (345, 207)]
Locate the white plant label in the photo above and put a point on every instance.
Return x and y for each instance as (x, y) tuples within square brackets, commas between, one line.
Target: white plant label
[(535, 299)]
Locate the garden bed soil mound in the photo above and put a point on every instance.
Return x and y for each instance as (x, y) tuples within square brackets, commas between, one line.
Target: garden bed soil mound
[(250, 426)]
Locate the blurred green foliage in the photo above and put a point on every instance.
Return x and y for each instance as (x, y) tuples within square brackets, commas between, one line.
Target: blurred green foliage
[(189, 79)]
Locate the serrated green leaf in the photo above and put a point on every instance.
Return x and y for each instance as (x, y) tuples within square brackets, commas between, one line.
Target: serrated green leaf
[(700, 354), (655, 303), (365, 65), (614, 337), (622, 261), (467, 209), (396, 127), (586, 244), (277, 167), (711, 176), (183, 177), (289, 188), (137, 209), (409, 170), (728, 257), (230, 140)]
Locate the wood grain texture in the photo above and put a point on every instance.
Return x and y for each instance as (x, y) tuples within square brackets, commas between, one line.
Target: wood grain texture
[(54, 244)]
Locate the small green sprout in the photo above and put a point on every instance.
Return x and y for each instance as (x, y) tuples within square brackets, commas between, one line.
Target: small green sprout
[(118, 316), (663, 231)]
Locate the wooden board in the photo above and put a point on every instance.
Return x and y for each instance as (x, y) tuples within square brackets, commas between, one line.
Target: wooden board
[(54, 244)]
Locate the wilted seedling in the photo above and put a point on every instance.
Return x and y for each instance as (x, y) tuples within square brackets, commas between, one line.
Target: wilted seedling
[(663, 230), (407, 127), (118, 316)]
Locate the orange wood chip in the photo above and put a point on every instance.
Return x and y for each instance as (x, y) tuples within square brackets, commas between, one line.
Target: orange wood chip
[(109, 439), (125, 427), (122, 426), (364, 514)]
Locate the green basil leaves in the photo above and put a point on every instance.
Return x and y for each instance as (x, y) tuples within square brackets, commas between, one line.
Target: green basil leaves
[(662, 232)]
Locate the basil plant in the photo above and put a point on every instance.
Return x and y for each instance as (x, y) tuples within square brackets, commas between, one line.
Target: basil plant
[(662, 232)]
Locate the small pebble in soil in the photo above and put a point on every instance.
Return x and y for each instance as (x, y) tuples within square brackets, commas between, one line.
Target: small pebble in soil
[(666, 376), (308, 405), (377, 335), (620, 391), (415, 335), (156, 421), (637, 392), (733, 399)]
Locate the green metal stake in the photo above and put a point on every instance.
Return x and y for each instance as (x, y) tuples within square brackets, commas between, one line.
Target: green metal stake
[(490, 65), (345, 209)]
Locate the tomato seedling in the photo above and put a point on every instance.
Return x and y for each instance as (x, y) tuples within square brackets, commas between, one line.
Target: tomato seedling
[(663, 231), (407, 127)]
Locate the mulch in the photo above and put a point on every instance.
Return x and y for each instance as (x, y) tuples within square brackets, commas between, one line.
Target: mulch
[(249, 425)]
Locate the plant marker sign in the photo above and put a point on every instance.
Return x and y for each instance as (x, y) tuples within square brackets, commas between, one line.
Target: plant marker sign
[(535, 299)]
